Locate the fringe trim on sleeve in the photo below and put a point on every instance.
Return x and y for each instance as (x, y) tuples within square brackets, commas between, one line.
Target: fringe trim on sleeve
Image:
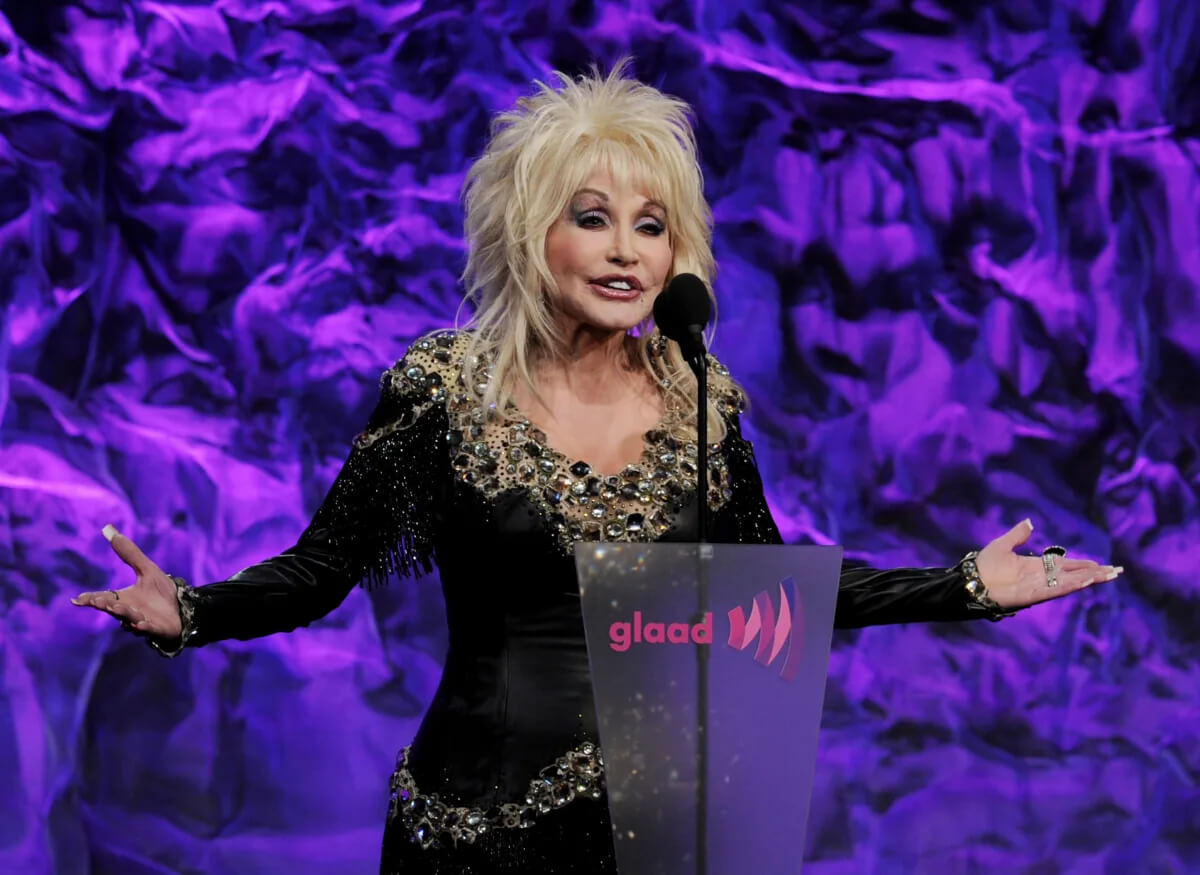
[(381, 514)]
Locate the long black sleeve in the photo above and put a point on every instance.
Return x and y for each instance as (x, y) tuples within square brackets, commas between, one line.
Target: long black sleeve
[(379, 517), (875, 597), (866, 596)]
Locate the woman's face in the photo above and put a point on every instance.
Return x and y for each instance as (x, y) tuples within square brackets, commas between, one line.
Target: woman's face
[(610, 254)]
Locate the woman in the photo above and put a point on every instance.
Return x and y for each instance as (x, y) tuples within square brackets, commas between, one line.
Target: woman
[(560, 414)]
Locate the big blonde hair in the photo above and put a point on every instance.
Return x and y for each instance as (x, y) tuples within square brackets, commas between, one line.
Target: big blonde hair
[(540, 154)]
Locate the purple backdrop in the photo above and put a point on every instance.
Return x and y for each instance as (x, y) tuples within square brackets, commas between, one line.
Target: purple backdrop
[(958, 248)]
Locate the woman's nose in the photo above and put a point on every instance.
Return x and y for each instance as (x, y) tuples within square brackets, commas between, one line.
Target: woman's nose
[(621, 249)]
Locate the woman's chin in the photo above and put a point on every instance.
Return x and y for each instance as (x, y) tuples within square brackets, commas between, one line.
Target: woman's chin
[(616, 321), (610, 315)]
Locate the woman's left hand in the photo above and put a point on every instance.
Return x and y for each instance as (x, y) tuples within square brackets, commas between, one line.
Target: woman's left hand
[(1018, 581)]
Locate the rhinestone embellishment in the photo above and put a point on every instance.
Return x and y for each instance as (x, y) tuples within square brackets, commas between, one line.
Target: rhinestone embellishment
[(432, 823), (496, 454)]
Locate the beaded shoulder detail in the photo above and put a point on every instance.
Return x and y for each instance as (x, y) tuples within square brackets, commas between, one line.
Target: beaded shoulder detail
[(496, 453), (421, 378)]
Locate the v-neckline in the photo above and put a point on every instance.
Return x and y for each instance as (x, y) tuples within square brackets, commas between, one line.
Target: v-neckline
[(659, 426)]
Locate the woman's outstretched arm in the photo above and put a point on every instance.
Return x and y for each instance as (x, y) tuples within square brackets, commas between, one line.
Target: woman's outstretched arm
[(378, 517), (993, 583)]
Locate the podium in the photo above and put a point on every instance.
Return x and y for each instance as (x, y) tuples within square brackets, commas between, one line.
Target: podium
[(708, 666)]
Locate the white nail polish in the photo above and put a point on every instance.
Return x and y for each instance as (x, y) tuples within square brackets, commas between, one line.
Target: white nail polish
[(109, 532)]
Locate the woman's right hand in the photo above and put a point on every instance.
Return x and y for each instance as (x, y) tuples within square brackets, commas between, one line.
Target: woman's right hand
[(150, 607)]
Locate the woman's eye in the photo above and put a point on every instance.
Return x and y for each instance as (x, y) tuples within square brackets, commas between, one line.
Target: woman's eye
[(599, 219)]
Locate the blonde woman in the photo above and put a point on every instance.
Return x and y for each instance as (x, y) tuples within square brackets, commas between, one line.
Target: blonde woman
[(557, 414)]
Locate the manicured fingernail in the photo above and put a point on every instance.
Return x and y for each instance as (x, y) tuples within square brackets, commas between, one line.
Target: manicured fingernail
[(1029, 523), (1120, 569), (109, 532), (1112, 575)]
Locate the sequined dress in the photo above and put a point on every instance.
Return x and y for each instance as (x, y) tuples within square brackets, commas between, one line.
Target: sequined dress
[(505, 773)]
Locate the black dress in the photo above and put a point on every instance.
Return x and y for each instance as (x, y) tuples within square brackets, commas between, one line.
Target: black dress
[(505, 773)]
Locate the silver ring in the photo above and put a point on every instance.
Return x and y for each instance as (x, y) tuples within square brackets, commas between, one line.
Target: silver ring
[(1048, 563), (1051, 571)]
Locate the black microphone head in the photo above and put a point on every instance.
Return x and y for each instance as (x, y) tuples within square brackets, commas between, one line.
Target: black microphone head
[(663, 312), (683, 305)]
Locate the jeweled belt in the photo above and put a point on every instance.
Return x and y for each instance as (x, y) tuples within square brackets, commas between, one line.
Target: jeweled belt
[(432, 823)]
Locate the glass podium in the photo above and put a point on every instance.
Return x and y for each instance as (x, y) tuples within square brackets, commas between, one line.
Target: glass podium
[(708, 666)]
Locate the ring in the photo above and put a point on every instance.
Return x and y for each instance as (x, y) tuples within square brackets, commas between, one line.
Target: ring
[(1048, 563), (116, 595)]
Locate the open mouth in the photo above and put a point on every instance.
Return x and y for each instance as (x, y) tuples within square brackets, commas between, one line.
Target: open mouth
[(622, 291), (617, 286)]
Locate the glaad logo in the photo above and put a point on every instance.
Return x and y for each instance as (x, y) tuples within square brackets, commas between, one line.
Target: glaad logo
[(772, 630), (621, 635)]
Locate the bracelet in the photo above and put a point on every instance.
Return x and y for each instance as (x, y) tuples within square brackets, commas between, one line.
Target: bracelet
[(187, 610), (979, 598)]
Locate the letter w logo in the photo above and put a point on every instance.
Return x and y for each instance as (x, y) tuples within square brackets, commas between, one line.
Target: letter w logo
[(772, 631)]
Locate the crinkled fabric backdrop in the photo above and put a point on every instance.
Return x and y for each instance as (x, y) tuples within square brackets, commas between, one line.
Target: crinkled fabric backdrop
[(958, 249)]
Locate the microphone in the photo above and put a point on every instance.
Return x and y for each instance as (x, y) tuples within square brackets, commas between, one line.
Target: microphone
[(682, 311)]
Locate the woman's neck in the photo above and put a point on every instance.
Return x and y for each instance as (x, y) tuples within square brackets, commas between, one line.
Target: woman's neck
[(597, 366)]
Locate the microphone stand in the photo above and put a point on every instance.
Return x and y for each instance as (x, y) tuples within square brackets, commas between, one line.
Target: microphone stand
[(699, 364), (697, 359), (701, 369)]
